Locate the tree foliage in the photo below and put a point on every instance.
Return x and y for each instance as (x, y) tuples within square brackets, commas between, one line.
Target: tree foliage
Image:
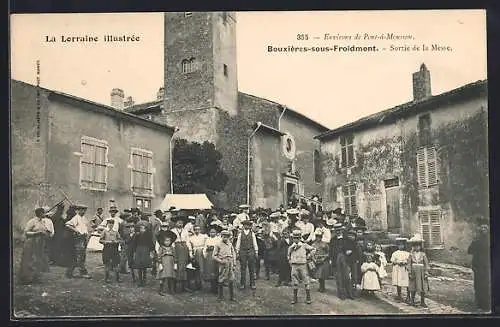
[(196, 168)]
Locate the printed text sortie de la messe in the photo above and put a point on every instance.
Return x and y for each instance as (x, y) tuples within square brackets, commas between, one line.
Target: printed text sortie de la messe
[(93, 38)]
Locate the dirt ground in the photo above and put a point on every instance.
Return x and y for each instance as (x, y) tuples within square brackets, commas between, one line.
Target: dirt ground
[(60, 296)]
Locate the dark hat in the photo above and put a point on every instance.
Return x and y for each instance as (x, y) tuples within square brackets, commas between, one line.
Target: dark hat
[(337, 211), (216, 227), (40, 211), (125, 215), (246, 222), (158, 212), (351, 232), (163, 234)]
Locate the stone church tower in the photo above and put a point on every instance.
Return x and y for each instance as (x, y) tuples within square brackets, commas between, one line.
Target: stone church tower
[(201, 89)]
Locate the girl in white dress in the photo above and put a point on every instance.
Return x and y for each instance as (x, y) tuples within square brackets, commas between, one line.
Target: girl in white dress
[(369, 281), (399, 260), (381, 262)]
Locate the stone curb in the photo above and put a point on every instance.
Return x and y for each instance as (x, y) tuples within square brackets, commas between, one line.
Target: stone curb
[(434, 308)]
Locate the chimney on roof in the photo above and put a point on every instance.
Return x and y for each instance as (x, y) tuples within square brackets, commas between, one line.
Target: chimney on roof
[(421, 84), (129, 102), (161, 93), (117, 96)]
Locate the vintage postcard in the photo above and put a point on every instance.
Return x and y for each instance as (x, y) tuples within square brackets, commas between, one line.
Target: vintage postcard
[(249, 164)]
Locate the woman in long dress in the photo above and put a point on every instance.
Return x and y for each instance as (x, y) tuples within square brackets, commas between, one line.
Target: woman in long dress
[(417, 266), (197, 245), (399, 260), (182, 252), (210, 269), (33, 258)]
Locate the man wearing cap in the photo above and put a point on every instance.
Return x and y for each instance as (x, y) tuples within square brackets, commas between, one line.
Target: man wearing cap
[(155, 223), (224, 254), (242, 216), (113, 214), (321, 259), (247, 252), (80, 227), (298, 255), (126, 231)]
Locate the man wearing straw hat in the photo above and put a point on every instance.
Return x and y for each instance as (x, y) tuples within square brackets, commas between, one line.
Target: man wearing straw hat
[(298, 255), (80, 227)]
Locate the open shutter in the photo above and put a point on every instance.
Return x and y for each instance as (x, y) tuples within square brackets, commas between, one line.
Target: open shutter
[(435, 228), (421, 165), (352, 195), (343, 152), (431, 166), (425, 226)]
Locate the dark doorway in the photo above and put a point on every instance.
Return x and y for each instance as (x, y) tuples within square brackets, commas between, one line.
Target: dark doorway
[(290, 192)]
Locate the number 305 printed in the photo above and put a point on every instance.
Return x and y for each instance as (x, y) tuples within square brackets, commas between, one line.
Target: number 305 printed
[(302, 37)]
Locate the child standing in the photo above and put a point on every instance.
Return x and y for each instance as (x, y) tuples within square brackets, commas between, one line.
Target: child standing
[(166, 261), (210, 269), (298, 254), (417, 266), (381, 262), (399, 261), (110, 253), (225, 256), (369, 269)]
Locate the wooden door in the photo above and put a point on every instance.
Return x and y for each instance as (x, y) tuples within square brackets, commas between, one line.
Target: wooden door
[(392, 202)]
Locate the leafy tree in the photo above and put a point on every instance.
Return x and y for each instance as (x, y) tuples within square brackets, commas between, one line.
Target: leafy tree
[(196, 168)]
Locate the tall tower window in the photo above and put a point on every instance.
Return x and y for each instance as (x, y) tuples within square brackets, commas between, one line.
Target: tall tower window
[(225, 70), (187, 14), (189, 65)]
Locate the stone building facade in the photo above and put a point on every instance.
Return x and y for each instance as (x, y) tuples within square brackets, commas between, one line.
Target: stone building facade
[(91, 152), (201, 98), (418, 167)]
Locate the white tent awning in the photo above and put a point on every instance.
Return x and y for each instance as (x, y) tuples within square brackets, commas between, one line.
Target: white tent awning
[(186, 202)]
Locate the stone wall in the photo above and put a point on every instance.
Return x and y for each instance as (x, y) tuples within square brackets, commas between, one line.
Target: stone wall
[(459, 133)]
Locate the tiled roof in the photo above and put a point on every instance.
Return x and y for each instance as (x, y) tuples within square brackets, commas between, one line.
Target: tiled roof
[(405, 109)]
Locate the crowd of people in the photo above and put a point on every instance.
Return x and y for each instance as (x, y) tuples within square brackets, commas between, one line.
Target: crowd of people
[(186, 250)]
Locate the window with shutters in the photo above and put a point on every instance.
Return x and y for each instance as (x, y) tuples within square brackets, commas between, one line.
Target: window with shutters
[(142, 171), (347, 150), (424, 130), (93, 164), (317, 166), (430, 228), (349, 193), (427, 167)]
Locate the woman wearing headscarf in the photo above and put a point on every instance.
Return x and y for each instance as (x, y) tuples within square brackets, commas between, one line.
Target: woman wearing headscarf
[(33, 260), (480, 251)]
